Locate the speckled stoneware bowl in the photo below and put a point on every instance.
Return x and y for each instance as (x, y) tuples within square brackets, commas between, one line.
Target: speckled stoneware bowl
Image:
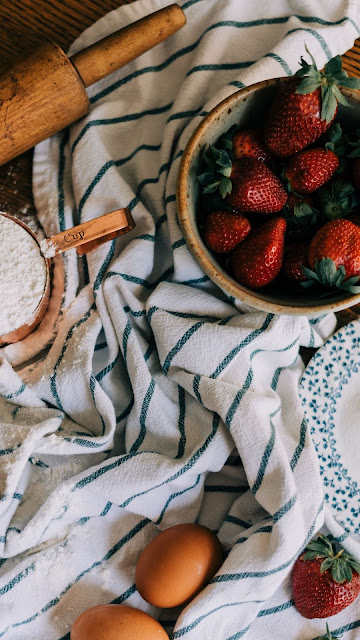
[(247, 108)]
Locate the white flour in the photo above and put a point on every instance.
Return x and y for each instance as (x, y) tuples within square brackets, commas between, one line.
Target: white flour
[(48, 248), (22, 275)]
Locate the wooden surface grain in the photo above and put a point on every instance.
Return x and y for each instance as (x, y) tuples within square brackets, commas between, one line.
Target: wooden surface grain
[(26, 23)]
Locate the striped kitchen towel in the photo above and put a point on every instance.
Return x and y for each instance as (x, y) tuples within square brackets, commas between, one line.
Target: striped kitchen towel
[(160, 400)]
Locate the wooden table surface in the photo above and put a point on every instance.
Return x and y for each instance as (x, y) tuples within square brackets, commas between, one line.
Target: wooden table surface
[(26, 23)]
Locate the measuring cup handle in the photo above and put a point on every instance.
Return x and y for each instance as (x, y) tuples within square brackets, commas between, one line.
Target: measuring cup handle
[(90, 234)]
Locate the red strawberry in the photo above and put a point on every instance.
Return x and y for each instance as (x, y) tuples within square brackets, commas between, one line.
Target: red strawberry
[(223, 231), (255, 188), (305, 106), (295, 256), (338, 240), (257, 260), (294, 120), (324, 580), (308, 170), (249, 143)]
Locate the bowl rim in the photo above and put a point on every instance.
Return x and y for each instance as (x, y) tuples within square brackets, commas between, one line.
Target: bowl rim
[(195, 243)]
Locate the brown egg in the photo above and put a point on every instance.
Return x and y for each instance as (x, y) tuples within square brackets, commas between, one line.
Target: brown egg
[(116, 622), (177, 564)]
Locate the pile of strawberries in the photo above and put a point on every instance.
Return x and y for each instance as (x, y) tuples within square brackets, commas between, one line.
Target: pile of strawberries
[(280, 206)]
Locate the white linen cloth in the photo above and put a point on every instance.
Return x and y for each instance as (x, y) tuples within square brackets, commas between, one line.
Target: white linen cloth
[(161, 401)]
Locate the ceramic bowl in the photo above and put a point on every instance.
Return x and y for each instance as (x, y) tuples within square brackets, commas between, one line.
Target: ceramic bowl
[(24, 330), (247, 108)]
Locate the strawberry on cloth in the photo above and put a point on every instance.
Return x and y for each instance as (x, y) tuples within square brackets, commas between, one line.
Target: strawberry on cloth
[(160, 399), (325, 579)]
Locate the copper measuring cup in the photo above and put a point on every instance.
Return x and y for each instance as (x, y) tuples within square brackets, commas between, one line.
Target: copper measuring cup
[(84, 237)]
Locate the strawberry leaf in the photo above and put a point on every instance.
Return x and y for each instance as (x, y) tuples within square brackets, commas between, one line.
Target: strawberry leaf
[(325, 542), (209, 161), (311, 555), (305, 67), (227, 142), (329, 635), (350, 83), (334, 134), (353, 563), (302, 209), (338, 276), (335, 198), (326, 564), (215, 152), (225, 186), (211, 188), (338, 572), (327, 274), (308, 85), (223, 159), (336, 141), (328, 270), (226, 171), (352, 280), (306, 284), (350, 289), (339, 96), (312, 275), (206, 179), (329, 104), (333, 66), (356, 152), (311, 58), (217, 159), (339, 569), (347, 571)]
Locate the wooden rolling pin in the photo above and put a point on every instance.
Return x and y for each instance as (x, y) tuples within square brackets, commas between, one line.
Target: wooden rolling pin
[(45, 93)]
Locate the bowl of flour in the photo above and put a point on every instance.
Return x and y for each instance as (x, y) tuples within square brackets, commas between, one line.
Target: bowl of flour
[(24, 280)]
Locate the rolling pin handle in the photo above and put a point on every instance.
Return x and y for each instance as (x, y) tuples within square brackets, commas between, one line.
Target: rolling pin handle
[(123, 46)]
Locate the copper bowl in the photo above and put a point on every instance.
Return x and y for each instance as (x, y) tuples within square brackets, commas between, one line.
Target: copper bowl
[(25, 329), (247, 108)]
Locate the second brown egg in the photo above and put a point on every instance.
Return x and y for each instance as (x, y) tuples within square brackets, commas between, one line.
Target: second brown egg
[(177, 564)]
